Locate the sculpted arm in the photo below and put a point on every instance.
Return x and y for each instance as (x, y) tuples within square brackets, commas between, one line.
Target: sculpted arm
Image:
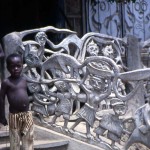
[(2, 103), (147, 116), (138, 117), (49, 93), (85, 88)]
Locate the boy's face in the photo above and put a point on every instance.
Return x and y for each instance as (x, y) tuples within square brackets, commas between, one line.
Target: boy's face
[(15, 66)]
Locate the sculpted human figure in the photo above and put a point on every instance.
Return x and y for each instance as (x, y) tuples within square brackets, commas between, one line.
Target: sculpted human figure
[(31, 59), (40, 100), (63, 46), (20, 118), (14, 40), (93, 97), (92, 48), (41, 38), (108, 51), (112, 123), (64, 104)]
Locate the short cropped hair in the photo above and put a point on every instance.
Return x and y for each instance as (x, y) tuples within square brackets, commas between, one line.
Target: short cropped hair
[(8, 59)]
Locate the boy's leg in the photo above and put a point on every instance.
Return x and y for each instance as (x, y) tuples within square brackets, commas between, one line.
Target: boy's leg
[(14, 139), (28, 140)]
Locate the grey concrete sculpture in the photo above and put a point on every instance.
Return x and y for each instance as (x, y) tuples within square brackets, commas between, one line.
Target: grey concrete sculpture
[(61, 79)]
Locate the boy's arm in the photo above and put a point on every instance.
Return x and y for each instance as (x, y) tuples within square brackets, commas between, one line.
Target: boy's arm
[(2, 104)]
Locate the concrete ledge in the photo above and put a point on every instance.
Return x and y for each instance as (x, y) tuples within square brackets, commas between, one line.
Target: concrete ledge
[(50, 144), (43, 145), (4, 134)]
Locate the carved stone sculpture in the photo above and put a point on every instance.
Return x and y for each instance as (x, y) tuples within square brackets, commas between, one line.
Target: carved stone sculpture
[(60, 77)]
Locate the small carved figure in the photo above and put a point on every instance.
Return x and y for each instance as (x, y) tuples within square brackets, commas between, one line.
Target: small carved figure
[(108, 51), (41, 37), (32, 58), (40, 101), (20, 118), (63, 46), (13, 40), (93, 97), (64, 104), (112, 123), (92, 48)]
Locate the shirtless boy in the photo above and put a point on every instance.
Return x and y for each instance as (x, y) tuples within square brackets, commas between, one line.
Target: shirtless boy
[(20, 118)]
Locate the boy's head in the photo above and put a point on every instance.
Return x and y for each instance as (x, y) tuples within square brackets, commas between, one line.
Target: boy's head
[(14, 64)]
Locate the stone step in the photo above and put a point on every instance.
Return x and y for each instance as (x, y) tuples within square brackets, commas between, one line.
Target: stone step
[(39, 144), (4, 136), (51, 145), (43, 145)]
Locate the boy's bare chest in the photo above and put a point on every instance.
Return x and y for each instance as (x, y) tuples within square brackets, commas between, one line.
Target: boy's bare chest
[(17, 85)]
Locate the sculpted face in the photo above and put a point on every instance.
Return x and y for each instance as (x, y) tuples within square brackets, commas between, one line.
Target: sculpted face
[(34, 87), (97, 83), (41, 38), (62, 86), (108, 51), (92, 49), (34, 48), (32, 60), (119, 110)]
